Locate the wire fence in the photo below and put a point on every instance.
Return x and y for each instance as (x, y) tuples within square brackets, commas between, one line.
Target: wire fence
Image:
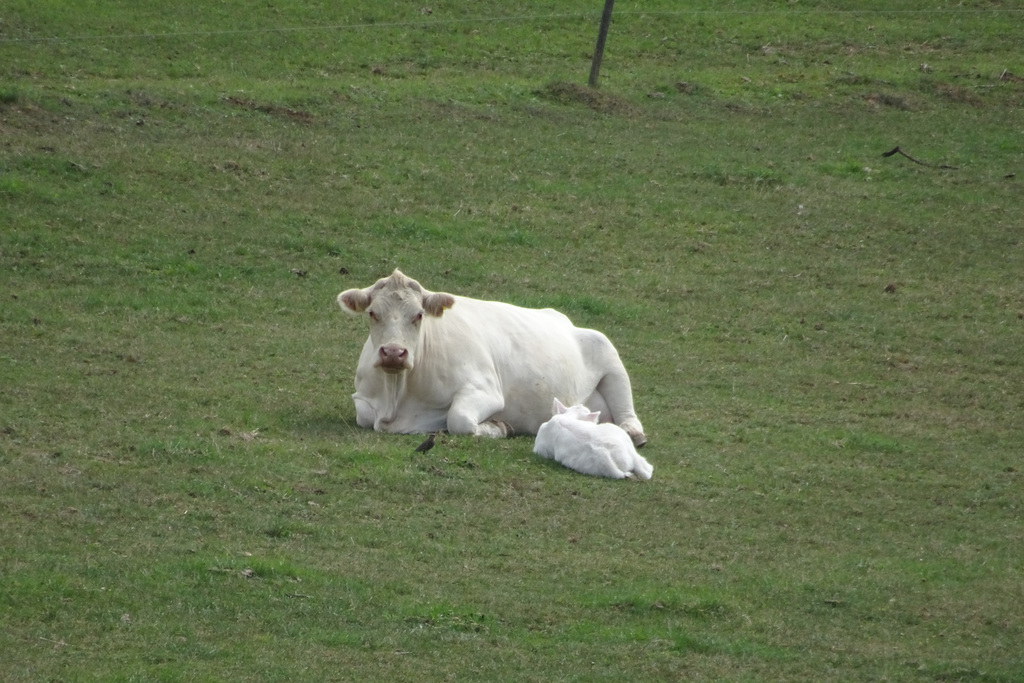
[(442, 22)]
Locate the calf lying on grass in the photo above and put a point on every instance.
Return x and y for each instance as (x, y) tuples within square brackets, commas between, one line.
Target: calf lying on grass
[(574, 438)]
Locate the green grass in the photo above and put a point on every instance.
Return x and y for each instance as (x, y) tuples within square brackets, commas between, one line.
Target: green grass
[(824, 343)]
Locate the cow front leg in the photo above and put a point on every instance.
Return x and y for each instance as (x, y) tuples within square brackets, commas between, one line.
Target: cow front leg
[(472, 411), (366, 416)]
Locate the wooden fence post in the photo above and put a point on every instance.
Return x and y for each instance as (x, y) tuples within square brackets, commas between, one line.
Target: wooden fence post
[(595, 65)]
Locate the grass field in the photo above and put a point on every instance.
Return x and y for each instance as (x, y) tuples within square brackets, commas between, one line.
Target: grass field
[(825, 343)]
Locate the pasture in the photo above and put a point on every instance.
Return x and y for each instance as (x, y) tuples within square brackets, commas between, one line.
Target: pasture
[(825, 343)]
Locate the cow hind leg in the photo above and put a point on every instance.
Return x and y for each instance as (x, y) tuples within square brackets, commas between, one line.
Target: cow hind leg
[(614, 389)]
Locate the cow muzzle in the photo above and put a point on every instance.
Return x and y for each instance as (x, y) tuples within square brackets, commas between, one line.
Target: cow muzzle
[(393, 358)]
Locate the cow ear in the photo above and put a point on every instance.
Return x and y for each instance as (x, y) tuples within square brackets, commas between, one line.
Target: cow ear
[(436, 303), (354, 301)]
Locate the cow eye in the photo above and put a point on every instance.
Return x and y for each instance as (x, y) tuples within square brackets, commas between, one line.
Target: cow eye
[(416, 320), (373, 316)]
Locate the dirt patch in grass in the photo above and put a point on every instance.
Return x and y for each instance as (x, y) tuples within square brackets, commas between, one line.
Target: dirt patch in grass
[(144, 99), (879, 100), (272, 109), (959, 95), (562, 92)]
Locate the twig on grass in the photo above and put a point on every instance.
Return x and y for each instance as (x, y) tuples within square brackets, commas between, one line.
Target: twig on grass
[(897, 150), (56, 643)]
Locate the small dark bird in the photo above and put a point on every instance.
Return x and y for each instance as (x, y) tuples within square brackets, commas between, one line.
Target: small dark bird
[(426, 445)]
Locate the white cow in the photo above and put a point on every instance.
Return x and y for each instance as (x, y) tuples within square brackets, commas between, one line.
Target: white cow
[(437, 361)]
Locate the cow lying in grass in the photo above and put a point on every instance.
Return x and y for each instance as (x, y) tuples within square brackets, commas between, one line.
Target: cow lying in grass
[(436, 361)]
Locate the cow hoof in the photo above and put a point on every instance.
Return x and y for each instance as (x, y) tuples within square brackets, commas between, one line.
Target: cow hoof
[(505, 427), (496, 429), (635, 431)]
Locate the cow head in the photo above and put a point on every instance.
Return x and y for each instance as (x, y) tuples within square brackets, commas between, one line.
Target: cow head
[(395, 306)]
